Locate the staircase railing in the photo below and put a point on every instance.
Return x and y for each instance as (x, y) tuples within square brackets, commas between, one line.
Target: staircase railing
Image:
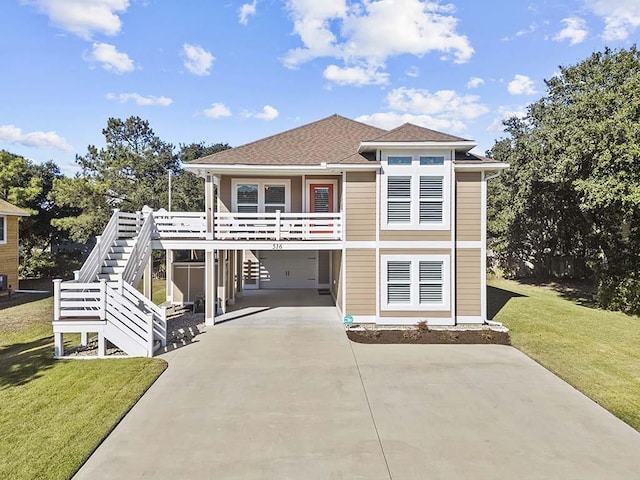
[(140, 253), (92, 264), (158, 314)]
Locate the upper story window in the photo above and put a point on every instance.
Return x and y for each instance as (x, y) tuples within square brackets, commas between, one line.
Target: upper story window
[(3, 230), (415, 193), (260, 196)]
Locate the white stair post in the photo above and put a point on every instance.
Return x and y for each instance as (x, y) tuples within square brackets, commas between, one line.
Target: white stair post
[(278, 212), (103, 299)]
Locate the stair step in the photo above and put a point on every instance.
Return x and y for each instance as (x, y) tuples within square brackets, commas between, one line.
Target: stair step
[(120, 249), (115, 262), (124, 242), (110, 277), (112, 269)]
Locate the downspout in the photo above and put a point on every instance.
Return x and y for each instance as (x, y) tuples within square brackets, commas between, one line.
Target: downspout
[(491, 323)]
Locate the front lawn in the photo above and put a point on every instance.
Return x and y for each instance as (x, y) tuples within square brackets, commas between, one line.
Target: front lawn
[(596, 351), (54, 413)]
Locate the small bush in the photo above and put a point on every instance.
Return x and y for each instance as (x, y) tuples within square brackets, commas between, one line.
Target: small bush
[(422, 326), (615, 293)]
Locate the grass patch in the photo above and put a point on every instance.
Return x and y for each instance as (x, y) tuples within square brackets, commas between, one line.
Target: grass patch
[(158, 290), (594, 350), (54, 413)]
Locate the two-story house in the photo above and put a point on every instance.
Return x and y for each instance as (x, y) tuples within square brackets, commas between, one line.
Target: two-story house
[(9, 251), (391, 223)]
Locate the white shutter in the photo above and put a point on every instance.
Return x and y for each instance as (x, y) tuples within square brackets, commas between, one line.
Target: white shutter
[(398, 282), (431, 281), (399, 199), (431, 199)]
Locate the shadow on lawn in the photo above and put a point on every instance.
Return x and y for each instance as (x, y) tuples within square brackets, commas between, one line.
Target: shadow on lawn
[(497, 298), (579, 292), (21, 298), (22, 362)]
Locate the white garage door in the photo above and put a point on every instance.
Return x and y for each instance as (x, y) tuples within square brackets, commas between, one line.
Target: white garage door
[(288, 269)]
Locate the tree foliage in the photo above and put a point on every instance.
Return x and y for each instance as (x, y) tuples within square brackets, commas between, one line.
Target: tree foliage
[(574, 184), (131, 171)]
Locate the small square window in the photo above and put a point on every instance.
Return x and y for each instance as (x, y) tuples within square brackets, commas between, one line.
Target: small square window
[(399, 160), (431, 160)]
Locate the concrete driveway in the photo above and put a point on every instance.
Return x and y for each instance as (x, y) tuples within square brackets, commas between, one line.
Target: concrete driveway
[(280, 393)]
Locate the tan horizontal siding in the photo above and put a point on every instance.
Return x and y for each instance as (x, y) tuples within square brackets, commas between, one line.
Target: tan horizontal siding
[(361, 282), (420, 235), (336, 273), (415, 251), (361, 206), (468, 206), (9, 252), (468, 286)]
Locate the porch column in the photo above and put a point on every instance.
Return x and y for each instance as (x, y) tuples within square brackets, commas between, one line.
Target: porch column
[(231, 280), (210, 201), (169, 275), (146, 277), (239, 272), (222, 281), (210, 288)]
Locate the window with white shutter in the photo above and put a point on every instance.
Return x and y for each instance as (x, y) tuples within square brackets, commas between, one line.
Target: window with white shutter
[(415, 193), (415, 282)]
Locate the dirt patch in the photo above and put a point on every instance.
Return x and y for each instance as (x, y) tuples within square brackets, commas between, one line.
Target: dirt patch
[(454, 336)]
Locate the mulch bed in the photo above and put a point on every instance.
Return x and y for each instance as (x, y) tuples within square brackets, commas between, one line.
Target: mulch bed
[(472, 336)]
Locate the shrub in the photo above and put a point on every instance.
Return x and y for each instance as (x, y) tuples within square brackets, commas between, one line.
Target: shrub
[(620, 293)]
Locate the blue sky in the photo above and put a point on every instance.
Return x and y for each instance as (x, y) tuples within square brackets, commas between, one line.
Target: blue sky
[(237, 71)]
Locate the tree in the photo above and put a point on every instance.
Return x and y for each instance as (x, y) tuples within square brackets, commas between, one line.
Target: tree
[(130, 172), (575, 176)]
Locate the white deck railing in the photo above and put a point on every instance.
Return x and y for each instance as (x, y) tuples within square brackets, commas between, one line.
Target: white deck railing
[(278, 226), (177, 225)]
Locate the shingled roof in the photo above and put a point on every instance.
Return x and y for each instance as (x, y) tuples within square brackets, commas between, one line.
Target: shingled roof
[(7, 208), (330, 140), (334, 139), (413, 133)]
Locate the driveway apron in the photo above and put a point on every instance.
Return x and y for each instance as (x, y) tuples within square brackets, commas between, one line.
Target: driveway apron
[(276, 391)]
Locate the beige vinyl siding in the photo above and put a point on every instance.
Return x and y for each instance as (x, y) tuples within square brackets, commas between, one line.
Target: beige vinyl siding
[(468, 206), (9, 252), (468, 282), (361, 281), (415, 251), (361, 206), (416, 235), (226, 192), (336, 273)]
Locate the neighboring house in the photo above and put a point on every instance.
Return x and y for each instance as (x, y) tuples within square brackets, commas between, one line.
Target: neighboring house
[(9, 215), (391, 223)]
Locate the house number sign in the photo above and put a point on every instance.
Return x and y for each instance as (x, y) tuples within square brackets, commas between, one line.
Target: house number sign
[(276, 246)]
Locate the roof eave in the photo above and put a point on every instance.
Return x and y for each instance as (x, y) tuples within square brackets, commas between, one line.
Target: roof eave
[(461, 145), (480, 166)]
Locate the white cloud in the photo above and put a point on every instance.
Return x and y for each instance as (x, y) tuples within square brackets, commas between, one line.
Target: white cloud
[(521, 85), (621, 17), (111, 59), (247, 10), (368, 33), (268, 113), (413, 72), (504, 112), (13, 134), (474, 82), (357, 76), (198, 59), (217, 110), (447, 104), (141, 100), (83, 17), (575, 30), (389, 120)]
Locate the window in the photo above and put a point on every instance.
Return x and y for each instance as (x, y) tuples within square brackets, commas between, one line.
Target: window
[(415, 282), (260, 196), (399, 160), (431, 160), (415, 194), (3, 229)]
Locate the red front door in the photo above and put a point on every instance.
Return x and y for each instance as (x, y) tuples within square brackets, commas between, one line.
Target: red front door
[(321, 195)]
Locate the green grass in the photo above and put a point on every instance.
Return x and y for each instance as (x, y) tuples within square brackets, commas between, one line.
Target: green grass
[(54, 413), (158, 290), (596, 351)]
